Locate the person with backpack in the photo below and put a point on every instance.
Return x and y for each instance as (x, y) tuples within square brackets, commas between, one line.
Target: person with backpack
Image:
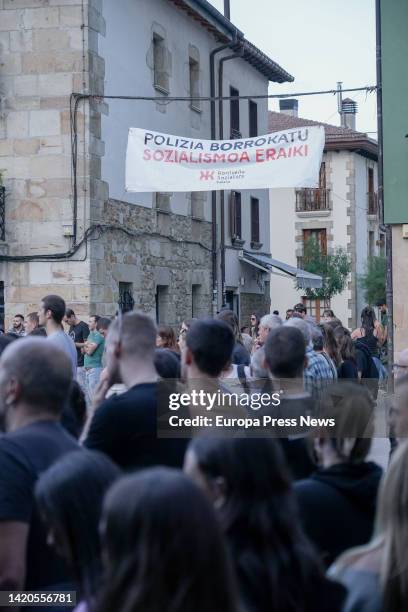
[(371, 334), (368, 372)]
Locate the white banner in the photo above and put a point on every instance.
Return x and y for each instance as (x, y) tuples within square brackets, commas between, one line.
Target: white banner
[(161, 162)]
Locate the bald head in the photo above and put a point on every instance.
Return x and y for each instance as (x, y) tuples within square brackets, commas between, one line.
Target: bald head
[(38, 375)]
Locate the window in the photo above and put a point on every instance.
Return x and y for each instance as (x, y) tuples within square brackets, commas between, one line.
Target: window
[(319, 236), (234, 114), (195, 300), (371, 241), (235, 215), (163, 202), (254, 221), (162, 300), (194, 76), (316, 307), (372, 206), (126, 301), (253, 119), (160, 61), (197, 205)]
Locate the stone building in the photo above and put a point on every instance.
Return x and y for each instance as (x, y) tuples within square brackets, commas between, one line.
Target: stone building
[(342, 212), (70, 227)]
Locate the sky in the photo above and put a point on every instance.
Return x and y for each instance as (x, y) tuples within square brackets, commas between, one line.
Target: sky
[(319, 42)]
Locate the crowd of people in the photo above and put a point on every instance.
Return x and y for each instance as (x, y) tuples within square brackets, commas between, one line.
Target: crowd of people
[(93, 500)]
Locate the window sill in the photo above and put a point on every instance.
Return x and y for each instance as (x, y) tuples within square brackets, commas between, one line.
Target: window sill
[(197, 218), (255, 246), (161, 89), (163, 212), (313, 213), (238, 242)]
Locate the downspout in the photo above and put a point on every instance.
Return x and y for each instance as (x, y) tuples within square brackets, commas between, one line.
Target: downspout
[(221, 136), (213, 53)]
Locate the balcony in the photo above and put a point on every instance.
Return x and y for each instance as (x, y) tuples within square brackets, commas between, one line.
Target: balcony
[(235, 134), (372, 203), (312, 200)]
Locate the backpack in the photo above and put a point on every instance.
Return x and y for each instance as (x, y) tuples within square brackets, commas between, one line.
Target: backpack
[(370, 374)]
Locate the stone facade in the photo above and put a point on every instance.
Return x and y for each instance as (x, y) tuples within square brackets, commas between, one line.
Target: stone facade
[(254, 303), (47, 51), (50, 49), (172, 252)]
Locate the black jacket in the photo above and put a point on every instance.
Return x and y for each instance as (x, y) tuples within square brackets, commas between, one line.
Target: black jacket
[(337, 506)]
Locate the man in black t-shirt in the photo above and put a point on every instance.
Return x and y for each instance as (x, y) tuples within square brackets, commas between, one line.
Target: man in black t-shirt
[(35, 379), (79, 332), (125, 426)]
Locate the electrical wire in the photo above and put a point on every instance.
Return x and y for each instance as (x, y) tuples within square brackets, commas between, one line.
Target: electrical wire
[(75, 99), (166, 99)]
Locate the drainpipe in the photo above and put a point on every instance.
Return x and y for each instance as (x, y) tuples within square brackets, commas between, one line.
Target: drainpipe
[(221, 136), (213, 53)]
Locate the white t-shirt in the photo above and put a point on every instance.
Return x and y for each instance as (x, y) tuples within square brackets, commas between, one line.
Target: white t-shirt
[(65, 343)]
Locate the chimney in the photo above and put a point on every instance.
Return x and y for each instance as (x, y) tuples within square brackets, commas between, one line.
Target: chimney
[(289, 106), (348, 113)]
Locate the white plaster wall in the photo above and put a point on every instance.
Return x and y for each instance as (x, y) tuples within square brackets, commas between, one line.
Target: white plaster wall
[(283, 247), (338, 163), (283, 244), (125, 50)]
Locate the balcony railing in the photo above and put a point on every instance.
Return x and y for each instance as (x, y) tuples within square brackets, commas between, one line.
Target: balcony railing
[(2, 213), (235, 134), (372, 203), (310, 200)]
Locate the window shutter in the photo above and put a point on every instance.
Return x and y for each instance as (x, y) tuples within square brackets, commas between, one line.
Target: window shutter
[(238, 215), (232, 203)]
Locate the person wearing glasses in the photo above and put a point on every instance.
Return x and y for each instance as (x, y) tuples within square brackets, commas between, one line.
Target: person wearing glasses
[(254, 326)]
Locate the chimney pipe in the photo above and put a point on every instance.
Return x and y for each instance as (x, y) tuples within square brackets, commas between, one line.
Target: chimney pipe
[(289, 106), (348, 113), (227, 10)]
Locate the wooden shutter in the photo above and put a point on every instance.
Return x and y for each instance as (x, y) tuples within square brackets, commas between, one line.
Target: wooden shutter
[(254, 220), (238, 224), (232, 216)]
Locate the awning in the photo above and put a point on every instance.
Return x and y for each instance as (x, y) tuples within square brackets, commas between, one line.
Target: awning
[(305, 280)]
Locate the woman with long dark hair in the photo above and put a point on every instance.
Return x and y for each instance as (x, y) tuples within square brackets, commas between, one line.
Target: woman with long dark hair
[(254, 325), (248, 482), (370, 332), (240, 355), (348, 360), (69, 497), (163, 548)]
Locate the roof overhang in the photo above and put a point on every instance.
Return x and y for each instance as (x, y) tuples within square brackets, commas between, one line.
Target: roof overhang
[(226, 32), (363, 146), (304, 279)]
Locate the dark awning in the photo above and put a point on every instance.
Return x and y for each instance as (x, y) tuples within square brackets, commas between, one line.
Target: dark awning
[(305, 280)]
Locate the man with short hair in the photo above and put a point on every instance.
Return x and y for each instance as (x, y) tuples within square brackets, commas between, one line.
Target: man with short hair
[(79, 332), (17, 327), (300, 309), (125, 426), (35, 380), (52, 311), (285, 358), (317, 374), (93, 350), (31, 323)]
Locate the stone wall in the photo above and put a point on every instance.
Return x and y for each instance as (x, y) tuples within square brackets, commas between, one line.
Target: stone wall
[(254, 303), (400, 290), (148, 249), (48, 49)]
